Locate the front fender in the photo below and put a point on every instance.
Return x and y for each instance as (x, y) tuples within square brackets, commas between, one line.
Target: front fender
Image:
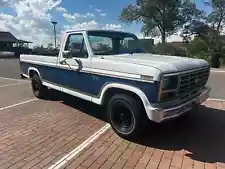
[(30, 69), (147, 105)]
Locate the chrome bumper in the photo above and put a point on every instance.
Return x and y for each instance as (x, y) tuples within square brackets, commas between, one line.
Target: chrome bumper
[(160, 115)]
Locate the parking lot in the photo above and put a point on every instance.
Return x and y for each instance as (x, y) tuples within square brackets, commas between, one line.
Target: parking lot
[(65, 132)]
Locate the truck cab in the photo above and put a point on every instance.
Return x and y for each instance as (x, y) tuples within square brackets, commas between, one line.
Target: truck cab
[(99, 66)]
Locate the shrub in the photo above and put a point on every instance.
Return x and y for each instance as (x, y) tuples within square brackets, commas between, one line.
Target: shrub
[(168, 49)]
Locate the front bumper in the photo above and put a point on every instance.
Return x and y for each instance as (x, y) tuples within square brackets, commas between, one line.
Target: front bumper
[(159, 115)]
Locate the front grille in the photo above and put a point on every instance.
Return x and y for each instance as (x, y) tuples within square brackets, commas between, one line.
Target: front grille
[(191, 83)]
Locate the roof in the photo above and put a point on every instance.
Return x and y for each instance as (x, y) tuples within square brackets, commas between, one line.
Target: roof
[(7, 37), (89, 29), (23, 41)]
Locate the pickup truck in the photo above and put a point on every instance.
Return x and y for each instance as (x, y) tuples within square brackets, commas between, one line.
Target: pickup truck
[(99, 66)]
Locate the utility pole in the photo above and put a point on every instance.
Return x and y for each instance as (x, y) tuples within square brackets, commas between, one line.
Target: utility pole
[(54, 24)]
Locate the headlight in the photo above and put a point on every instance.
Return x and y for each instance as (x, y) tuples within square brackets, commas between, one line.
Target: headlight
[(169, 83), (168, 88)]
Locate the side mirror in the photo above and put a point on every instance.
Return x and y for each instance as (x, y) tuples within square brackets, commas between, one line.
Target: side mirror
[(67, 54)]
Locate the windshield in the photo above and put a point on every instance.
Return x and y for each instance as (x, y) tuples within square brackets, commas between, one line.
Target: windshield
[(113, 43)]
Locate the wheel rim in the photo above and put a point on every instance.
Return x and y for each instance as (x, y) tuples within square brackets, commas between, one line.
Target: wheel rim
[(122, 117)]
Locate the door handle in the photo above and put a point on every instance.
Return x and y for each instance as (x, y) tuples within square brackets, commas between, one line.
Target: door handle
[(78, 61)]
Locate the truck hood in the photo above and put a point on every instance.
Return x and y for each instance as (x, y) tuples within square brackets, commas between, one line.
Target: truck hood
[(164, 63)]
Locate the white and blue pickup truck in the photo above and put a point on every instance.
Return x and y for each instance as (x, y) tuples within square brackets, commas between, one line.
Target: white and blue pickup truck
[(100, 67)]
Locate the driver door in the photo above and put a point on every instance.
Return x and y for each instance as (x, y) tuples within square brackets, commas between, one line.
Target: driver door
[(76, 76)]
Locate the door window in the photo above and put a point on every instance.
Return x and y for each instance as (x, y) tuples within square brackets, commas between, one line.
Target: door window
[(76, 45)]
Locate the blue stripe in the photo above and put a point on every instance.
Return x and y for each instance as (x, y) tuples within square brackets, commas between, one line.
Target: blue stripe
[(88, 83)]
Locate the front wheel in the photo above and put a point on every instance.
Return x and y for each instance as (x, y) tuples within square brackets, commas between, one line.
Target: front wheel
[(124, 114), (38, 89)]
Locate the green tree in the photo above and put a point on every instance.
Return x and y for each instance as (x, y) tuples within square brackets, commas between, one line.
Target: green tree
[(103, 47), (50, 46), (217, 19), (38, 49), (49, 50), (197, 48), (209, 27), (159, 17), (168, 49)]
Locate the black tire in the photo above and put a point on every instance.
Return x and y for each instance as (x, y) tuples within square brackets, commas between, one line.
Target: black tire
[(124, 114), (38, 89)]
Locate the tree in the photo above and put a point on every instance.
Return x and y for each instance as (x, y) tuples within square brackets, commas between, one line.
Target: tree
[(209, 27), (159, 17), (168, 49), (49, 50), (217, 19), (38, 49), (197, 46), (50, 46), (103, 47)]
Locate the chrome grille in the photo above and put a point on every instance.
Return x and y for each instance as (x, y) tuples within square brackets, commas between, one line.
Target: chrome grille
[(191, 83)]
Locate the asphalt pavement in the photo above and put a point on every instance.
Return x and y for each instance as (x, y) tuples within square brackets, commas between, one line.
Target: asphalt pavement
[(10, 68)]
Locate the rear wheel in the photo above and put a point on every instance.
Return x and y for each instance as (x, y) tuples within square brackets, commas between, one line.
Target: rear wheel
[(124, 114), (38, 89)]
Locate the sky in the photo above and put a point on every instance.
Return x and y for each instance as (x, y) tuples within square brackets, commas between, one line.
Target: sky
[(31, 19)]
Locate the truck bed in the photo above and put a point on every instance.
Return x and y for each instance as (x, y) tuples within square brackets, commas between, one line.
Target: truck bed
[(34, 61)]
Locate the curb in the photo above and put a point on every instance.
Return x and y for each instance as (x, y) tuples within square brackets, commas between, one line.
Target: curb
[(215, 99), (217, 70)]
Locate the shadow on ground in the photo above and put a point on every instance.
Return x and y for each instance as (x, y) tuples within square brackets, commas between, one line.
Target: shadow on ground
[(79, 104), (200, 133)]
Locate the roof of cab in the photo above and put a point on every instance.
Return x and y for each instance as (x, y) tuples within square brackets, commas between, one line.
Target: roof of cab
[(106, 30)]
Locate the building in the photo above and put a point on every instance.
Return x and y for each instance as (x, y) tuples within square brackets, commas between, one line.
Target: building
[(11, 45), (179, 45), (8, 41), (146, 44)]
